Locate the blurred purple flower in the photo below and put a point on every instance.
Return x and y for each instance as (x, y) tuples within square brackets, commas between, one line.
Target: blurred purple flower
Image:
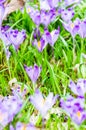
[(53, 3), (35, 15), (47, 17), (82, 29), (49, 4), (3, 35), (44, 5), (22, 126), (5, 40), (2, 1), (39, 40), (11, 127), (15, 37), (4, 28), (12, 103), (42, 17), (67, 14), (70, 2), (2, 10), (52, 37), (79, 88), (17, 90), (48, 37), (73, 27), (11, 36), (33, 72), (74, 108), (41, 104), (41, 44)]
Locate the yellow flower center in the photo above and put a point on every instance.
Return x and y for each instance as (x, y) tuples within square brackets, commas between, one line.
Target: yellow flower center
[(78, 114), (29, 10), (23, 127), (2, 117), (39, 44), (43, 101), (72, 25)]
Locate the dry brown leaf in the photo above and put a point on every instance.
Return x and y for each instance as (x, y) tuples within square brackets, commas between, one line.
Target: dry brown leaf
[(12, 6)]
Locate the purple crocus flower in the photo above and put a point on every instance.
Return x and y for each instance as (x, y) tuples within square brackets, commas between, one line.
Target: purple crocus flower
[(5, 28), (47, 17), (4, 116), (2, 1), (41, 104), (12, 103), (39, 41), (70, 2), (33, 72), (79, 88), (3, 35), (18, 91), (44, 5), (15, 37), (72, 27), (22, 126), (67, 14), (42, 17), (52, 37), (11, 36), (47, 37), (1, 14), (35, 15), (41, 44), (11, 127), (82, 29), (74, 108), (53, 3), (49, 4)]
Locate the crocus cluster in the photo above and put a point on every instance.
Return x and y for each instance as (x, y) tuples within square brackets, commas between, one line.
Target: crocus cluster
[(76, 107), (49, 10), (42, 16), (8, 35), (11, 105), (76, 27)]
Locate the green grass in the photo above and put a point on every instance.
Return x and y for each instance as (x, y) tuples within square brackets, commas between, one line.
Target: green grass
[(58, 68)]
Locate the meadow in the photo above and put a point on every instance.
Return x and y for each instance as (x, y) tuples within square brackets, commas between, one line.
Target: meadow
[(43, 65)]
